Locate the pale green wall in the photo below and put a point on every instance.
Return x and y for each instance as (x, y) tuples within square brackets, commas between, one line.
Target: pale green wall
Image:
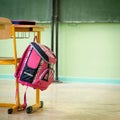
[(90, 50), (86, 50)]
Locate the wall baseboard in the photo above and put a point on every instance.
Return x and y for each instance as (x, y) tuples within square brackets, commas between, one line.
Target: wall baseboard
[(73, 79), (90, 80), (7, 77)]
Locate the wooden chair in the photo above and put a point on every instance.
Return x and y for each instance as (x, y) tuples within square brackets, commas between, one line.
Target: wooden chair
[(7, 33)]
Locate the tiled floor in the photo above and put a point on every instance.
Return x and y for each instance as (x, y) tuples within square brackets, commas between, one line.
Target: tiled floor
[(67, 101)]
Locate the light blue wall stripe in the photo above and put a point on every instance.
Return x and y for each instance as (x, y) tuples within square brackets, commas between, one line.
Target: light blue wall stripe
[(7, 77), (90, 80), (75, 79)]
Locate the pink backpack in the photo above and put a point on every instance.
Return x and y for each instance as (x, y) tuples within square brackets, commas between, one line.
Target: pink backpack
[(36, 67)]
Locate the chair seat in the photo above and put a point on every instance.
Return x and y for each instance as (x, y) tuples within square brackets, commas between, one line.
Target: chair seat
[(8, 60)]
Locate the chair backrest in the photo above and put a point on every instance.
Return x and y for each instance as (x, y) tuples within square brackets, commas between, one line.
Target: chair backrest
[(5, 28), (6, 32)]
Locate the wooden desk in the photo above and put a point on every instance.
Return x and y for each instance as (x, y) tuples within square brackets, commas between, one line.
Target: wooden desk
[(28, 28), (14, 29), (38, 30)]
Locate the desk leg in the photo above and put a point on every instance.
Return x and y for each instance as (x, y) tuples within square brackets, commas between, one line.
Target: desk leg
[(17, 106), (38, 104)]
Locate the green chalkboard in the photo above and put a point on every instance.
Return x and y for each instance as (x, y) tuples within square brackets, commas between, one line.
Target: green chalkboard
[(90, 10), (39, 10)]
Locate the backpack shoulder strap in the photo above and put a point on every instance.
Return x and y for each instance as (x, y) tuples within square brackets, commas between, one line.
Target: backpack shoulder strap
[(40, 51)]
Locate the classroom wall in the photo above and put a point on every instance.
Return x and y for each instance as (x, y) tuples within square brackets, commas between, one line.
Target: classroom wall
[(88, 50)]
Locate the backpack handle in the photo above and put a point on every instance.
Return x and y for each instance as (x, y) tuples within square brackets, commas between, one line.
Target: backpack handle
[(35, 39)]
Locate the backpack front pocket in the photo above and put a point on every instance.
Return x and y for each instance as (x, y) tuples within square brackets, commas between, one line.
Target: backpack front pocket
[(31, 67)]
